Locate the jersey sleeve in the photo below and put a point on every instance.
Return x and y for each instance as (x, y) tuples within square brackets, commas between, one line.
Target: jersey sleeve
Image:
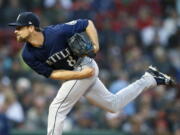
[(38, 66), (76, 26)]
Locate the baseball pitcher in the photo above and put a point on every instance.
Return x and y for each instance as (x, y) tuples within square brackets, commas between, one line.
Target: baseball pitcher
[(59, 52)]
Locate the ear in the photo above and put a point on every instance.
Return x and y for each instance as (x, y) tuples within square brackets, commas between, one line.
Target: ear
[(31, 28)]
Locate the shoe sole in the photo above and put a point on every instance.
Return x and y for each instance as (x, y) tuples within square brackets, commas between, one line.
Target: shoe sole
[(168, 80)]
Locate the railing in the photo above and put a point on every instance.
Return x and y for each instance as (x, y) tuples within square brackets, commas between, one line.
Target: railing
[(79, 132)]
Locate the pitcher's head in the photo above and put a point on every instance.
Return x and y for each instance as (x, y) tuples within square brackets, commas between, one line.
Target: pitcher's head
[(25, 24)]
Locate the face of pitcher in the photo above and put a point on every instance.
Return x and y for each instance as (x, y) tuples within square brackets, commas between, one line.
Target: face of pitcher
[(23, 33)]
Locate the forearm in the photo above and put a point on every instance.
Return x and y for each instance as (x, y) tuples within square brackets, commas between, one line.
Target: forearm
[(92, 34), (71, 75)]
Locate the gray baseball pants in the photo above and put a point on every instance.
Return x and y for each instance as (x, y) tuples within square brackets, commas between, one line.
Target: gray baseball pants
[(95, 91)]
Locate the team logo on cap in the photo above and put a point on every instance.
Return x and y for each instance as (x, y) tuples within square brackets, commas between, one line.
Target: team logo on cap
[(30, 22)]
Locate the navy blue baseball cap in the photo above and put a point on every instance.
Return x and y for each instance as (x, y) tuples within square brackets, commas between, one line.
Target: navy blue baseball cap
[(26, 19)]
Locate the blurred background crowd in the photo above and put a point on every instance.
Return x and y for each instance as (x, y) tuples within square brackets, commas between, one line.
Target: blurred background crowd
[(133, 34)]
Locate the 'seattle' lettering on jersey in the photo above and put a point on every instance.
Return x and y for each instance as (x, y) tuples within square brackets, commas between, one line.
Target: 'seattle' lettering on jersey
[(55, 52)]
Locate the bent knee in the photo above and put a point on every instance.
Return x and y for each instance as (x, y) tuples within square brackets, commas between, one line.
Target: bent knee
[(111, 108), (53, 106)]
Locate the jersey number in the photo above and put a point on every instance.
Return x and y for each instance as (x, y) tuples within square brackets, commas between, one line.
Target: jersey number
[(71, 62)]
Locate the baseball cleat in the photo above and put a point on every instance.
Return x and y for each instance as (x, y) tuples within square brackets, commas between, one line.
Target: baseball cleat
[(161, 78)]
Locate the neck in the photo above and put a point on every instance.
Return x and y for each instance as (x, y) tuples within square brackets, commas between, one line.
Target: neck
[(36, 39)]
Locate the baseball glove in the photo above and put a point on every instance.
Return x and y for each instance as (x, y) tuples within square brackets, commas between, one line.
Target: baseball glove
[(80, 46)]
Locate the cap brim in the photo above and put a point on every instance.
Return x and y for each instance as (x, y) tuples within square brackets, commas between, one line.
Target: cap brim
[(14, 24)]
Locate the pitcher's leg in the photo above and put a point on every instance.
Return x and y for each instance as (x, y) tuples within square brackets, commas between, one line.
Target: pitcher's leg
[(54, 108), (67, 96), (100, 96)]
